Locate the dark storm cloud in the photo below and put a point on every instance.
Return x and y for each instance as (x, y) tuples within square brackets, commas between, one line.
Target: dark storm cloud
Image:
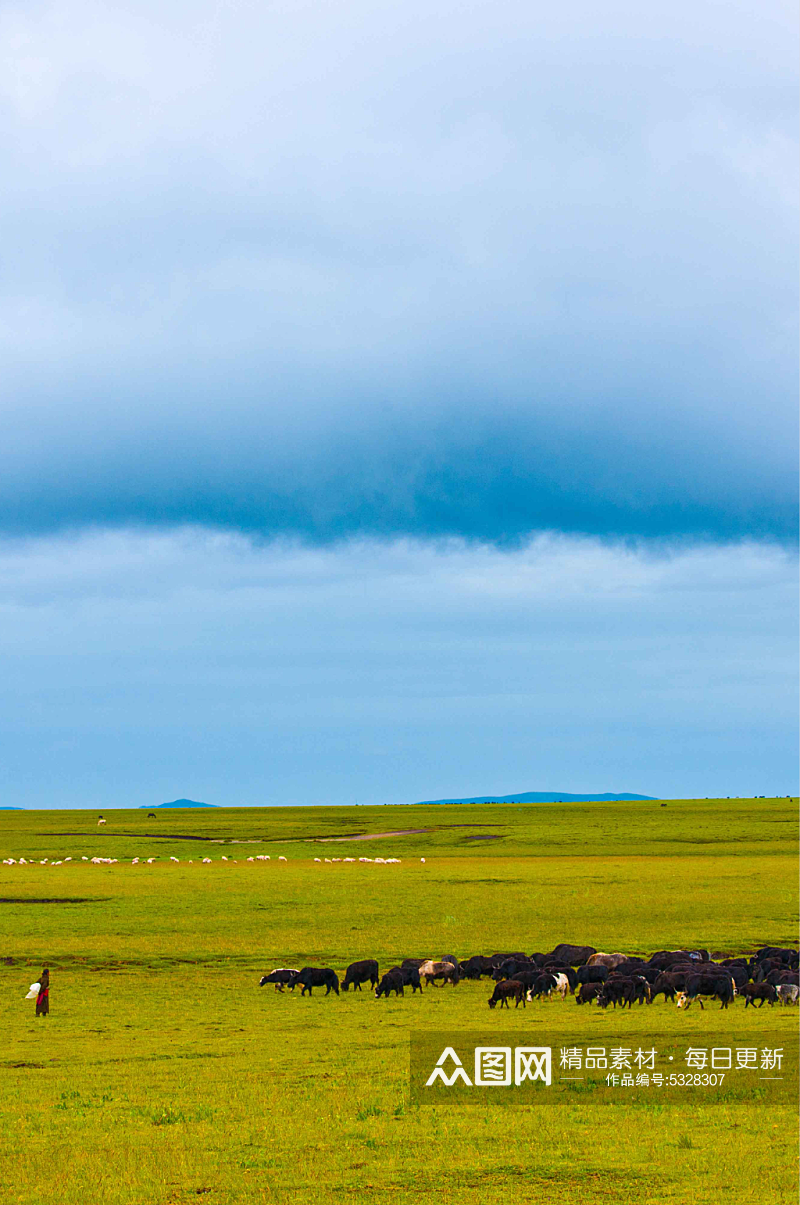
[(381, 269)]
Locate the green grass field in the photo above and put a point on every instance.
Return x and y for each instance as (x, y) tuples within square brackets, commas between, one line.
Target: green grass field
[(164, 1074)]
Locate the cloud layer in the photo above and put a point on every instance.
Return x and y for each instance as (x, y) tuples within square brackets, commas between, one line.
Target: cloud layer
[(390, 270)]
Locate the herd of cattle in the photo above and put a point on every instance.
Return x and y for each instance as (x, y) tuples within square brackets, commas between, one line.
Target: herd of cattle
[(770, 974)]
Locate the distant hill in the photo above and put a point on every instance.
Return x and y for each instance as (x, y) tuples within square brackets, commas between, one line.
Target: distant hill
[(179, 803), (541, 797), (12, 809)]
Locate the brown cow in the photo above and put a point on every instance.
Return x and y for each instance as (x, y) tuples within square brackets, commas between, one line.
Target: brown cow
[(507, 989)]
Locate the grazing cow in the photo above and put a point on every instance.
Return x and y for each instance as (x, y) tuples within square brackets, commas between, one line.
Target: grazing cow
[(282, 977), (588, 992), (359, 972), (476, 966), (615, 991), (574, 956), (318, 977), (561, 968), (392, 982), (668, 982), (787, 993), (431, 971), (509, 989), (718, 987), (543, 985), (152, 816), (100, 821), (760, 992), (410, 978), (591, 974)]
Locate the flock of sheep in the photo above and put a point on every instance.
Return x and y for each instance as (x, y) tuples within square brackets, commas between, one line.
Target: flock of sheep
[(96, 861)]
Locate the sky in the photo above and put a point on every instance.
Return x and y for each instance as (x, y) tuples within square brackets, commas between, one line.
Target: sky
[(399, 401)]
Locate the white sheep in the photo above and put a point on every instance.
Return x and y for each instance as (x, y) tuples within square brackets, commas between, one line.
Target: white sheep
[(206, 859), (172, 858), (281, 858)]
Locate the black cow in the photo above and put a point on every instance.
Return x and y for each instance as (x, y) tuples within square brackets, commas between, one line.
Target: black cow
[(574, 956), (587, 992), (765, 966), (624, 990), (361, 972), (592, 974), (476, 966), (668, 982), (282, 977), (543, 985), (391, 982), (318, 977), (527, 978), (452, 958), (789, 956), (410, 978), (412, 963), (719, 987), (785, 976), (509, 989), (664, 960), (760, 992)]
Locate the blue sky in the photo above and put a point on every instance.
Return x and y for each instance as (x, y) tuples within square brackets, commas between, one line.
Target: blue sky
[(397, 402)]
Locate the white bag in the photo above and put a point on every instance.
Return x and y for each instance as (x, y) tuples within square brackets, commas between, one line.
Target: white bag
[(34, 992)]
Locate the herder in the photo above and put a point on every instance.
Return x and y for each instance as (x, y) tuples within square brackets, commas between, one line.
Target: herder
[(43, 998)]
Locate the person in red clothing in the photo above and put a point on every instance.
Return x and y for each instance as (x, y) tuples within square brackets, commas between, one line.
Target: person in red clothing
[(43, 999)]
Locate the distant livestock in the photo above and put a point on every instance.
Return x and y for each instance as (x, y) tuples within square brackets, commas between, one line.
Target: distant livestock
[(606, 960), (360, 972), (543, 985), (788, 993), (719, 987), (592, 973), (760, 992), (574, 956), (318, 977), (392, 981), (509, 989), (282, 977)]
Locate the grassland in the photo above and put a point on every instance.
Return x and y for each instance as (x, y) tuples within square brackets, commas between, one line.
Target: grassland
[(164, 1074)]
